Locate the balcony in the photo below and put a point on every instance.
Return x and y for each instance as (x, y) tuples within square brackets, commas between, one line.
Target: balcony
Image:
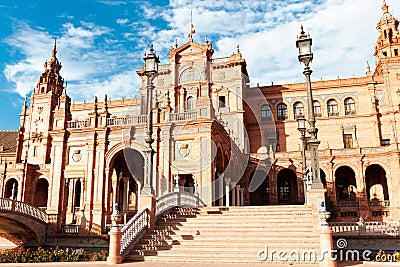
[(184, 116), (77, 124), (333, 114), (379, 203), (127, 120)]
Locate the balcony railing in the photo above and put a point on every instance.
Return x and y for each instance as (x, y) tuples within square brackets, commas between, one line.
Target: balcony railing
[(348, 204), (379, 203), (184, 116), (77, 124), (333, 114), (127, 120)]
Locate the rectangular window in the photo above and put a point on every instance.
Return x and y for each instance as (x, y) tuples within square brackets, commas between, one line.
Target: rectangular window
[(396, 52), (222, 101), (348, 140), (385, 142), (35, 151)]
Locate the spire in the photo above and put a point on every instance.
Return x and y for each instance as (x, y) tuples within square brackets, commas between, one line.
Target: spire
[(385, 7), (54, 51)]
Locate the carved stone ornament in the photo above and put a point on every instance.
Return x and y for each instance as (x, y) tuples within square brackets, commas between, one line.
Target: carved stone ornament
[(77, 156), (184, 150)]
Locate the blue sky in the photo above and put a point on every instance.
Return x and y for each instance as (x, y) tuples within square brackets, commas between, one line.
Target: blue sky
[(101, 42)]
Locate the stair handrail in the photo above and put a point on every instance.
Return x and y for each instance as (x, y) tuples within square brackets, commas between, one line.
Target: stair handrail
[(23, 208), (177, 199), (133, 228)]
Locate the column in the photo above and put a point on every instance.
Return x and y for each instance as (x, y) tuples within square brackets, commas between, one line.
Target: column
[(227, 183), (237, 195), (233, 194), (125, 205), (182, 100), (241, 197), (221, 190)]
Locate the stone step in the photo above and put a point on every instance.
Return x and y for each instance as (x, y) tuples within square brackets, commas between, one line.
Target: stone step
[(227, 234), (245, 260), (199, 245), (235, 237)]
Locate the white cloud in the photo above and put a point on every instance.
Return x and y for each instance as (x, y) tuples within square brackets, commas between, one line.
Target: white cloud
[(92, 61), (96, 60), (343, 33), (122, 21)]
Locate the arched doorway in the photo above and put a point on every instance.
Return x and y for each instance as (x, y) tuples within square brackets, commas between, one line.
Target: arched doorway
[(345, 181), (287, 187), (42, 193), (11, 188), (260, 196), (127, 179), (376, 183), (219, 182)]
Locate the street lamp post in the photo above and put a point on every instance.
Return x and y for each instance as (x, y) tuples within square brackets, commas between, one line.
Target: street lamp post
[(301, 127), (150, 70), (304, 43)]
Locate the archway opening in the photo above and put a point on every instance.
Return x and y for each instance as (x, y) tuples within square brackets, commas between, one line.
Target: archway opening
[(11, 188), (42, 193), (128, 171), (260, 196), (345, 181), (376, 183), (287, 187)]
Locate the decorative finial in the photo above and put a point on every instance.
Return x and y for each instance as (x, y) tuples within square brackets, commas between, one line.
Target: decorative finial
[(206, 40), (192, 30), (54, 51), (385, 7), (237, 49), (151, 48), (302, 29), (368, 67), (176, 43)]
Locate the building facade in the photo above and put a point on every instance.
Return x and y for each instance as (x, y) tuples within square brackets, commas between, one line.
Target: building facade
[(214, 136)]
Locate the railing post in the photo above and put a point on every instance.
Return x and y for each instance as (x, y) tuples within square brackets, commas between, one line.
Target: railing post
[(114, 255), (149, 202)]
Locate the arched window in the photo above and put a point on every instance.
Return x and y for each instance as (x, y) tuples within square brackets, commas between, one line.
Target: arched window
[(298, 109), (349, 106), (11, 188), (282, 112), (266, 114), (332, 108), (190, 103), (42, 193), (317, 109)]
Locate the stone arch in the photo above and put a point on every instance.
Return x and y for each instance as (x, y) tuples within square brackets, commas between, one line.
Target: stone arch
[(10, 184), (41, 193), (287, 187), (345, 183), (109, 156), (126, 179), (260, 194), (376, 183), (299, 108)]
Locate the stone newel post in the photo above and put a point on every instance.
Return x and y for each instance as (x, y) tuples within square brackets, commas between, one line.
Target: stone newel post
[(114, 255)]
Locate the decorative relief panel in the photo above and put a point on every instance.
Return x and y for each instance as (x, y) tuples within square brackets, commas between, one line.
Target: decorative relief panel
[(76, 155), (190, 75)]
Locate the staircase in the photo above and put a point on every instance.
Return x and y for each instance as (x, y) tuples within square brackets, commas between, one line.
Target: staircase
[(230, 234)]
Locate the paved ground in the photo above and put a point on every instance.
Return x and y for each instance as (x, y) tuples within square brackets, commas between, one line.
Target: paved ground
[(194, 264)]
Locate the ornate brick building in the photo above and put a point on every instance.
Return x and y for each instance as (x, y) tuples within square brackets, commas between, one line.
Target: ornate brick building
[(213, 134)]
